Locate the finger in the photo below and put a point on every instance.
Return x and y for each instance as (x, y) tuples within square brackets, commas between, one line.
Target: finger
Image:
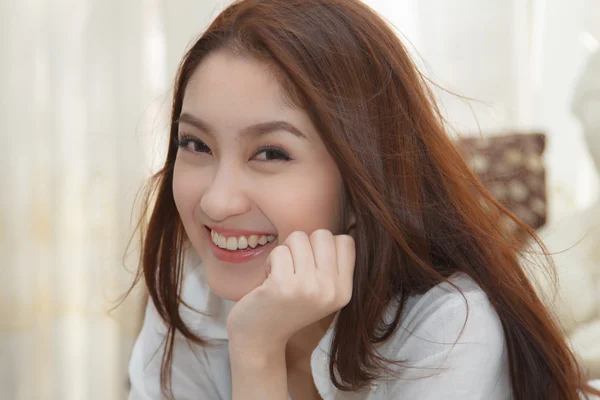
[(280, 266), (302, 253), (325, 252), (346, 259)]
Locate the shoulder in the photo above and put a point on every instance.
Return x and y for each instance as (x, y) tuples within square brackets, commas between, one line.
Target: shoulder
[(456, 302), (449, 344), (453, 324)]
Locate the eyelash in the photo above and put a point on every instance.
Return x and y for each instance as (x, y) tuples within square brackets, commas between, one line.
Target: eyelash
[(186, 140), (282, 155)]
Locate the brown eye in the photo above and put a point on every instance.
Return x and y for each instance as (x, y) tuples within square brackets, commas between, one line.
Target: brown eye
[(192, 144), (271, 154)]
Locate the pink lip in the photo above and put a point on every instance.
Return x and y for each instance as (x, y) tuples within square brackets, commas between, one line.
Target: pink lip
[(237, 257)]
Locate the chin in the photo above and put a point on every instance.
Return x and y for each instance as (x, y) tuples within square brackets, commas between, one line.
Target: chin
[(230, 286)]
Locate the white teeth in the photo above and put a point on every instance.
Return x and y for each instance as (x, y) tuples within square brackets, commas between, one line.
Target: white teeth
[(234, 243), (253, 241)]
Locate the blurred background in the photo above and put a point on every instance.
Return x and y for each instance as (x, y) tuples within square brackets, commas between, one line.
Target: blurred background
[(85, 89)]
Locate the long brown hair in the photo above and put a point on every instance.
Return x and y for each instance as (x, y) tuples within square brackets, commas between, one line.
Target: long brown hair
[(421, 214)]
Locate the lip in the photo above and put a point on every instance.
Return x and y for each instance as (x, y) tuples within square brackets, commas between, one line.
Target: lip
[(237, 257)]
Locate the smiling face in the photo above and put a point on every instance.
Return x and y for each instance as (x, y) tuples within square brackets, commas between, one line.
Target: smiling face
[(250, 170)]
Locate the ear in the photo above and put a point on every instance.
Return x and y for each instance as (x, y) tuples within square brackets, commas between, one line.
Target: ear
[(351, 223)]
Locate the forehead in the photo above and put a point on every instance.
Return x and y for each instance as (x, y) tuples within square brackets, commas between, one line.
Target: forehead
[(224, 82)]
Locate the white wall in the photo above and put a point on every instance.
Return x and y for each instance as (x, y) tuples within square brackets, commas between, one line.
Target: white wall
[(519, 60), (561, 50)]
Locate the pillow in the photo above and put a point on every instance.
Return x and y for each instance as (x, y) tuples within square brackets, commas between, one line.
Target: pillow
[(512, 168)]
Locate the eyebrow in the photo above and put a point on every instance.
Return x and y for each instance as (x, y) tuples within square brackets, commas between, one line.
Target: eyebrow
[(260, 129)]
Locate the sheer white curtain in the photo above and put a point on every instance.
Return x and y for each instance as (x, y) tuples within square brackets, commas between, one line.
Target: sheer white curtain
[(77, 81)]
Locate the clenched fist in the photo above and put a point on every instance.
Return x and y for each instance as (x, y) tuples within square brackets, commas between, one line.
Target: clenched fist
[(308, 278)]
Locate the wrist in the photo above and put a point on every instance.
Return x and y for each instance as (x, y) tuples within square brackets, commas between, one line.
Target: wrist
[(258, 374), (259, 364), (256, 356)]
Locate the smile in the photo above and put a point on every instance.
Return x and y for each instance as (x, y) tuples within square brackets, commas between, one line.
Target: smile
[(234, 243), (236, 247)]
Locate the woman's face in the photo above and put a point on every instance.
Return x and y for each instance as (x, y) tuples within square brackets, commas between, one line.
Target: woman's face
[(250, 170)]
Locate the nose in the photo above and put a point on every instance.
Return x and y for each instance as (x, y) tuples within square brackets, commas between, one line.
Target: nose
[(225, 196)]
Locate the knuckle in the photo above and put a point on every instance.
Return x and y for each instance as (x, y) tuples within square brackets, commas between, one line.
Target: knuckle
[(278, 252), (345, 297), (278, 255), (345, 241), (345, 245), (322, 239), (320, 234), (295, 237)]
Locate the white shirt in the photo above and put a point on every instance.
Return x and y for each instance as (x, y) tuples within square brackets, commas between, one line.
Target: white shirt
[(474, 368)]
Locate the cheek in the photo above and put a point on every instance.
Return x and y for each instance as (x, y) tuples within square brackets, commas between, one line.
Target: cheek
[(187, 190), (307, 203)]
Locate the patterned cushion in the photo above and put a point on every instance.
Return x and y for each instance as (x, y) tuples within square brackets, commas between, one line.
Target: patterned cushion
[(512, 168)]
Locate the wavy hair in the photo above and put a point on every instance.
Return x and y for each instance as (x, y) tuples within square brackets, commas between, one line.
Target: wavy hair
[(421, 213)]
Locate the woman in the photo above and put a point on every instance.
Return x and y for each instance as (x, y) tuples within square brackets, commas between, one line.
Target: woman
[(315, 234)]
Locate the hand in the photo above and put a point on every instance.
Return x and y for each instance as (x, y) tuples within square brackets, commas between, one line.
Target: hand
[(308, 279)]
